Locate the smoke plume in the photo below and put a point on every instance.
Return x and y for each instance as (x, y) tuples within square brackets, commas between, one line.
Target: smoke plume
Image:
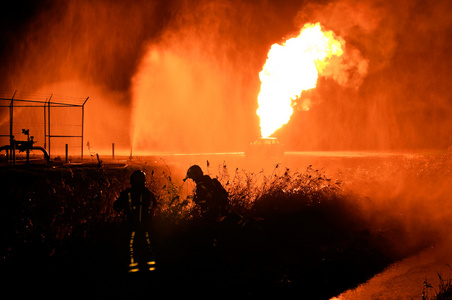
[(403, 101), (182, 76), (79, 49), (195, 89)]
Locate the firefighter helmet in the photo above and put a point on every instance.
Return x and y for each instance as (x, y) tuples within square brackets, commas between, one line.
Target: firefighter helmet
[(194, 172), (138, 178)]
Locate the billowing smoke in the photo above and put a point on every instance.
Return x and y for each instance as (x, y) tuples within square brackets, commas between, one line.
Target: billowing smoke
[(183, 76), (195, 89), (387, 92), (79, 49), (404, 100)]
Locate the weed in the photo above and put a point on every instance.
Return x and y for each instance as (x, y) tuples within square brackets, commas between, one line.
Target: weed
[(444, 291), (300, 227), (173, 204)]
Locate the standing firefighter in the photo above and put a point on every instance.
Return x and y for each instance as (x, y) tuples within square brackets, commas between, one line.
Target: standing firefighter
[(138, 204), (211, 199)]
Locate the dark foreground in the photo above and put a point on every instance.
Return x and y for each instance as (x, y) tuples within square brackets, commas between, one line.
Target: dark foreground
[(60, 237), (268, 259)]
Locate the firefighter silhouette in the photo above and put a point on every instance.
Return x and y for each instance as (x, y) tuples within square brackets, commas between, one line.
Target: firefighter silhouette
[(138, 204), (212, 201)]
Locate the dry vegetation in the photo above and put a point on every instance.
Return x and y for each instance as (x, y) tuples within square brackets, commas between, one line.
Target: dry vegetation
[(304, 234)]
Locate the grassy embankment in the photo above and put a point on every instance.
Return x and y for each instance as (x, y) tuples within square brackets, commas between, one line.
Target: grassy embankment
[(303, 235)]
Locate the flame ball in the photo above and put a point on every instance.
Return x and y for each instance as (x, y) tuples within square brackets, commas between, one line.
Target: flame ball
[(290, 69)]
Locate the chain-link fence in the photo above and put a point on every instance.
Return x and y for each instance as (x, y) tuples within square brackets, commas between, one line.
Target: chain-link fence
[(47, 123)]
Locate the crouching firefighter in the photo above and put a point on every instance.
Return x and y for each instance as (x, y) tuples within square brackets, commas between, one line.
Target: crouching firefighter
[(138, 204), (212, 201)]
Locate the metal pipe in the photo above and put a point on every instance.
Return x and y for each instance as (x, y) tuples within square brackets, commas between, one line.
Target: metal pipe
[(11, 136), (48, 116), (83, 121), (45, 129)]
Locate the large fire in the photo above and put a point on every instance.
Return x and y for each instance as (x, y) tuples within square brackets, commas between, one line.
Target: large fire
[(290, 69)]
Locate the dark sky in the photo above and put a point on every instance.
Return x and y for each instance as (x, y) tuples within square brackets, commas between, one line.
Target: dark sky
[(99, 39), (210, 55), (105, 39)]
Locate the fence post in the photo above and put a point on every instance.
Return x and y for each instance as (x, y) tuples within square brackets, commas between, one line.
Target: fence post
[(11, 124), (66, 153), (113, 151)]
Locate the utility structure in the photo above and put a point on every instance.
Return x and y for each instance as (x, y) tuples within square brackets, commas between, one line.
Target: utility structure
[(50, 117)]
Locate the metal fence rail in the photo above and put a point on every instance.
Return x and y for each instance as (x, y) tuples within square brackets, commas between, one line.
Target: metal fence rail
[(49, 104)]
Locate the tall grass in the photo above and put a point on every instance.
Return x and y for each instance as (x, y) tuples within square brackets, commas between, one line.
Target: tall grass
[(50, 204), (444, 291), (300, 227), (41, 206)]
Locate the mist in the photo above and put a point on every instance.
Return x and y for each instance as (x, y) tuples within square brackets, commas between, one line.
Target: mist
[(175, 76), (403, 101), (196, 89), (180, 76), (404, 198), (390, 92), (79, 49)]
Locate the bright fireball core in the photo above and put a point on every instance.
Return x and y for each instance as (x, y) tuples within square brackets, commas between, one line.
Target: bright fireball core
[(290, 69)]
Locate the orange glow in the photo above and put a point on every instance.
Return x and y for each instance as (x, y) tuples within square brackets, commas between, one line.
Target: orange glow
[(290, 69)]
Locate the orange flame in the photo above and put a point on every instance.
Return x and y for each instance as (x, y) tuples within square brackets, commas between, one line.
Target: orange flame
[(290, 69)]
